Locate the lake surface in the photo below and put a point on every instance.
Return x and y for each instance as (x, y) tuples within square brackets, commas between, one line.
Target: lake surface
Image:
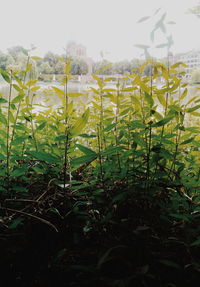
[(45, 98)]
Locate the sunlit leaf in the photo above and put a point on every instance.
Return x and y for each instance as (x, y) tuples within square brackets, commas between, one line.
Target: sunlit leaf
[(36, 58), (80, 123), (17, 99), (58, 91), (99, 81), (189, 110), (74, 95)]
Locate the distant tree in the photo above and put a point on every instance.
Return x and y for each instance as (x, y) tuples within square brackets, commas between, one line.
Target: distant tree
[(45, 68), (122, 67), (3, 61), (79, 67), (20, 61), (59, 67), (51, 59), (99, 68), (16, 50)]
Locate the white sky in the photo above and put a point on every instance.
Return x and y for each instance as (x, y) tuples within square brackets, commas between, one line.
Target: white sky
[(108, 25)]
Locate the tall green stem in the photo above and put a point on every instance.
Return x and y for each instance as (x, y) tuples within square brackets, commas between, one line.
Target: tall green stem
[(116, 121), (66, 160), (8, 127)]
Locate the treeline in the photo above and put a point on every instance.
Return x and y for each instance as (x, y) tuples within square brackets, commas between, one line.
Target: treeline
[(16, 58)]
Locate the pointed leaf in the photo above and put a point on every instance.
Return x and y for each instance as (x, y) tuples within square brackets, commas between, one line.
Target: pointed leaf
[(80, 123)]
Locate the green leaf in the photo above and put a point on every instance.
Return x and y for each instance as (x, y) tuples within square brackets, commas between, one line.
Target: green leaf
[(109, 127), (5, 76), (19, 140), (11, 117), (86, 150), (87, 136), (44, 156), (148, 99), (162, 122), (15, 223), (139, 140), (184, 94), (19, 126), (60, 138), (111, 151), (137, 124), (19, 172), (187, 141), (3, 101), (39, 170), (192, 100), (17, 99), (83, 159), (80, 123), (17, 88), (41, 126), (2, 157), (3, 119), (189, 110)]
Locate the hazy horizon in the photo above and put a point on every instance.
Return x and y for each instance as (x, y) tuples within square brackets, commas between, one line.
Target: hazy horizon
[(110, 26)]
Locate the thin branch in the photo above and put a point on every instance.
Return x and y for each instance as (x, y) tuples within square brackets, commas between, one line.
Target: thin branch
[(31, 215)]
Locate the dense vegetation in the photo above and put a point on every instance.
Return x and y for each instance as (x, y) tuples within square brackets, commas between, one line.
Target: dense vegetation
[(102, 188), (16, 58)]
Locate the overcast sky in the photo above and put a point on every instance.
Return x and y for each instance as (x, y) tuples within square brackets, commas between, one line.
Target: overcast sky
[(101, 25)]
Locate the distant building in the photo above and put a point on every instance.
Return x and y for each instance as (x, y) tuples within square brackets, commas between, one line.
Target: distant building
[(75, 50), (79, 51), (191, 59)]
